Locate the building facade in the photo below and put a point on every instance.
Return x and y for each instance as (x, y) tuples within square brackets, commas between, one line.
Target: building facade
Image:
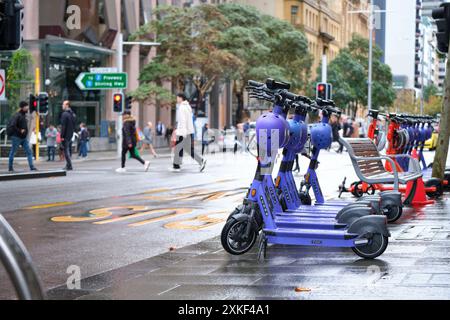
[(328, 25)]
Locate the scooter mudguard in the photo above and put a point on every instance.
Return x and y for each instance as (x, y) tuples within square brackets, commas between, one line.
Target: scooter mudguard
[(245, 217), (391, 198), (374, 224), (347, 216)]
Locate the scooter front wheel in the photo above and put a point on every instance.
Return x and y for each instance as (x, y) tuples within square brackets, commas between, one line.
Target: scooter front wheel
[(374, 248), (233, 237)]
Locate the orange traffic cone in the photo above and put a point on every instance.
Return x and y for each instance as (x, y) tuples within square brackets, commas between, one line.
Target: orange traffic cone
[(418, 187)]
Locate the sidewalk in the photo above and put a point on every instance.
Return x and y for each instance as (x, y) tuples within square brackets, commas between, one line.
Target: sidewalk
[(42, 164), (415, 266)]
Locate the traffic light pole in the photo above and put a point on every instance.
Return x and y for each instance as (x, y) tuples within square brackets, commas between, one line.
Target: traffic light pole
[(37, 88), (369, 80), (119, 123)]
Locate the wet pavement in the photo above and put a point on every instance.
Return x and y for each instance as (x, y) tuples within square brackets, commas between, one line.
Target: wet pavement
[(416, 265), (154, 236)]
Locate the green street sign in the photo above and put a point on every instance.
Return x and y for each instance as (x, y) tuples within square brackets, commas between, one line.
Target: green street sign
[(102, 81)]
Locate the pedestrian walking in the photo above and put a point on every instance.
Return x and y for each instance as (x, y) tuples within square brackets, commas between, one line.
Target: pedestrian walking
[(17, 130), (60, 146), (335, 128), (129, 142), (185, 135), (84, 140), (205, 138), (68, 120), (147, 142), (51, 135)]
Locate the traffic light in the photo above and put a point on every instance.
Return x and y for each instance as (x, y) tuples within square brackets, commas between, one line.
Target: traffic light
[(33, 103), (11, 24), (129, 103), (442, 17), (43, 103), (324, 91), (118, 102)]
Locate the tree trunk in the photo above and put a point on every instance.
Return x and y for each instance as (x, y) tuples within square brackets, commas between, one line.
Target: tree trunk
[(440, 158)]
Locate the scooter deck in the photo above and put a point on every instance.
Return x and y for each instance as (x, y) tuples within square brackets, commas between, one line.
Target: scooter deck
[(310, 223), (311, 237)]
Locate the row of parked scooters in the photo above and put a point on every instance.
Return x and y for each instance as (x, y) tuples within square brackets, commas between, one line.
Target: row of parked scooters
[(402, 134), (277, 212)]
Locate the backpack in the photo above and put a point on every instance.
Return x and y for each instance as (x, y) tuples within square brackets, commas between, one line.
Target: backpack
[(11, 127)]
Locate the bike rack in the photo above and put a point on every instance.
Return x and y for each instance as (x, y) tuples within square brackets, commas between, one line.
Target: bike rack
[(17, 261)]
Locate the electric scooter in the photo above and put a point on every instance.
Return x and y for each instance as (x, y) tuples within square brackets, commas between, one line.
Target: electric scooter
[(367, 236)]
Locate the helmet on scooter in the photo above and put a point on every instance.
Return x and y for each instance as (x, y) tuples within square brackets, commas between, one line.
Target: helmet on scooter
[(295, 134), (321, 136), (268, 125)]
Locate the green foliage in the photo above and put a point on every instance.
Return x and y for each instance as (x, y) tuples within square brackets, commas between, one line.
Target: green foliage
[(430, 91), (207, 42), (349, 75), (18, 72)]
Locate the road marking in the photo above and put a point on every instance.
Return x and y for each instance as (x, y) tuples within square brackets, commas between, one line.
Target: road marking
[(146, 213), (177, 212), (95, 214), (50, 205), (204, 221)]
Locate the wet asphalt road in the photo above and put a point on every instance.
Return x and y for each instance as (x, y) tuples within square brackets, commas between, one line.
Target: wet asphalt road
[(117, 228)]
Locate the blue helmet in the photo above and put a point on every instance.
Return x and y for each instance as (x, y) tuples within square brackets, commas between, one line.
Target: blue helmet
[(295, 134), (264, 126), (321, 136)]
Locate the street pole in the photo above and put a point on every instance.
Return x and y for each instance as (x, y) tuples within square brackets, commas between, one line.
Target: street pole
[(324, 69), (119, 124), (440, 159), (369, 81), (37, 89), (422, 69)]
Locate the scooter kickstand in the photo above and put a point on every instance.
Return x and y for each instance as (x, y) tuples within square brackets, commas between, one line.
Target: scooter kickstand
[(262, 248)]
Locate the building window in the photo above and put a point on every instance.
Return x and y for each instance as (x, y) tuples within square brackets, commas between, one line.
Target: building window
[(294, 15)]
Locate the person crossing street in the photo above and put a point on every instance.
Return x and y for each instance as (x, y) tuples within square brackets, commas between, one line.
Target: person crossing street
[(185, 135), (129, 142), (17, 130)]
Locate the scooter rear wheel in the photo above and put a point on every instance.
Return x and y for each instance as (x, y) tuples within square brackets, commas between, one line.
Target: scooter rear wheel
[(305, 199), (439, 188), (393, 213), (375, 248), (232, 237)]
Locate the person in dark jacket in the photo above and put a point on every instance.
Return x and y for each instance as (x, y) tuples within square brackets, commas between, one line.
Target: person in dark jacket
[(129, 142), (336, 127), (68, 120), (18, 132)]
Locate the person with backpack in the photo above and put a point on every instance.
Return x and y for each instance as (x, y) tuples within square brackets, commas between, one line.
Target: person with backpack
[(129, 142), (17, 130), (67, 130), (84, 139)]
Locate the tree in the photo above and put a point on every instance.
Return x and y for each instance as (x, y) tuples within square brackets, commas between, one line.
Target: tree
[(18, 73), (433, 106), (267, 46), (429, 91), (189, 51), (206, 43), (348, 73)]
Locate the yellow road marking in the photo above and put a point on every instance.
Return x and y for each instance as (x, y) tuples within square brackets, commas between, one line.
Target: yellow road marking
[(205, 221), (177, 212), (94, 214), (50, 205), (156, 191)]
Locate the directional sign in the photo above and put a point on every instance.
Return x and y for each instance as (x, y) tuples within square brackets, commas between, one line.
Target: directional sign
[(102, 81), (2, 84)]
